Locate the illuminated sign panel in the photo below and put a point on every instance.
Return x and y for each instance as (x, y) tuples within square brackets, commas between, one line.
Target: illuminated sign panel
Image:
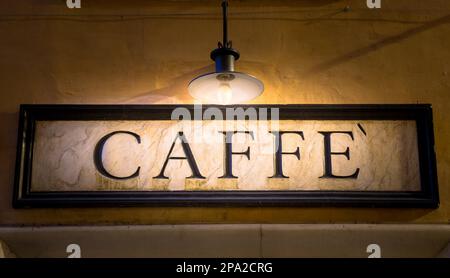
[(280, 155)]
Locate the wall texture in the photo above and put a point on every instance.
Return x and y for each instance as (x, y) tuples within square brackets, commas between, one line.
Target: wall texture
[(230, 240), (305, 51)]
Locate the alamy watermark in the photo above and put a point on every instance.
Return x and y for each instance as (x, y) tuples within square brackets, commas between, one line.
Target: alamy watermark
[(73, 4), (204, 124), (74, 250), (374, 251), (373, 4), (76, 4)]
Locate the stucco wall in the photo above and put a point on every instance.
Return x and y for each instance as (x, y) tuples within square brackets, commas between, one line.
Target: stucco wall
[(305, 51)]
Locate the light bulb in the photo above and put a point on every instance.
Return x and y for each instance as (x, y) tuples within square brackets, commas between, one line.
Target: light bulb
[(224, 93), (218, 88)]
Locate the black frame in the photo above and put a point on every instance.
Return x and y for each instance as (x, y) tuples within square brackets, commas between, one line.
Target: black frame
[(427, 197)]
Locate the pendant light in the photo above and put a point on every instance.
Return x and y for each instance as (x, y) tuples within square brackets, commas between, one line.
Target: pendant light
[(225, 86)]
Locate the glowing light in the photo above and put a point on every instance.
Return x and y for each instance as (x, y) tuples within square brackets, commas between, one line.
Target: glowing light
[(225, 93)]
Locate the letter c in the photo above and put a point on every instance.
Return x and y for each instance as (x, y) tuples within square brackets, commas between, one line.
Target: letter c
[(98, 161)]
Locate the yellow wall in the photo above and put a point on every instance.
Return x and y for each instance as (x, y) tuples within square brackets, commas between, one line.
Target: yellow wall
[(305, 51)]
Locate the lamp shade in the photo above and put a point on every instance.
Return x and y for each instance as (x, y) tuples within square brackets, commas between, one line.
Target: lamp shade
[(225, 87)]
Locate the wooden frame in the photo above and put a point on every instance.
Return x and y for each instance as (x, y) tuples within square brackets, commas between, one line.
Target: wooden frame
[(427, 197)]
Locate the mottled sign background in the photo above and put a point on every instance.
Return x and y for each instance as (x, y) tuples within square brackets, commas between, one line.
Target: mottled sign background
[(386, 153)]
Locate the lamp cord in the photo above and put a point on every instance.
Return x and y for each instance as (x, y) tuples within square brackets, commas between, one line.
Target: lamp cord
[(226, 43)]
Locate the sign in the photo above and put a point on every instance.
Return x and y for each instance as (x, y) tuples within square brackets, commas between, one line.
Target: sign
[(352, 155)]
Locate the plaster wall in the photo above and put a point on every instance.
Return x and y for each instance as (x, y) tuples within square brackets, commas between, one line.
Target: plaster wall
[(305, 52)]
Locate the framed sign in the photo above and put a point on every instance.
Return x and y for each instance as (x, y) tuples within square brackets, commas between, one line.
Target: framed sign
[(260, 155)]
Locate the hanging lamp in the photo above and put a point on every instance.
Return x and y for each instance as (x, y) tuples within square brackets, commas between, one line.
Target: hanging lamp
[(225, 86)]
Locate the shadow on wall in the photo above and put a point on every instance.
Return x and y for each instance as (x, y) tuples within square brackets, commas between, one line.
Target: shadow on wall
[(378, 45), (171, 93), (8, 140)]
